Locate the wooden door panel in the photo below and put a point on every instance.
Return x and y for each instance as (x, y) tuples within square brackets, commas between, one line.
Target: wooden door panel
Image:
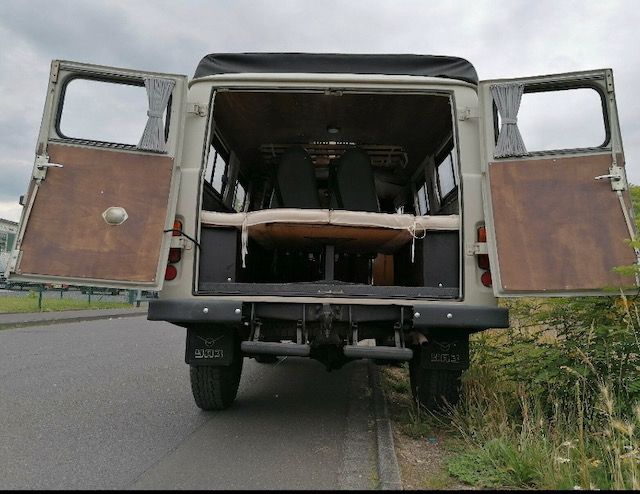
[(556, 228), (66, 235)]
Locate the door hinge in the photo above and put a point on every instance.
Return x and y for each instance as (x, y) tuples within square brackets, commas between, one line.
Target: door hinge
[(477, 248), (609, 81), (13, 261), (197, 109), (466, 113), (55, 68), (181, 243), (42, 163), (616, 176)]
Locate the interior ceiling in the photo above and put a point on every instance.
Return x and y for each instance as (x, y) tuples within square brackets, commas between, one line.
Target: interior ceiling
[(417, 123)]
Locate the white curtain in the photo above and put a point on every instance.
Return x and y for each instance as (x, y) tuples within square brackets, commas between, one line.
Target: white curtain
[(158, 92), (507, 98)]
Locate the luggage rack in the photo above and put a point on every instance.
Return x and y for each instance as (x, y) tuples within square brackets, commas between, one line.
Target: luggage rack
[(382, 156)]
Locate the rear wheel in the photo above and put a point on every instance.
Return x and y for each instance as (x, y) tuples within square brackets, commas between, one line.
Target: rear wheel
[(215, 388), (434, 389)]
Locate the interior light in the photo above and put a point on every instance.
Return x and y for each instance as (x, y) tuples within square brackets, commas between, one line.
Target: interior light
[(332, 129)]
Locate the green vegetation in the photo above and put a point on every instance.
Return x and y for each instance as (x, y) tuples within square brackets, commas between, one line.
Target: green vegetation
[(554, 401), (551, 403), (29, 303)]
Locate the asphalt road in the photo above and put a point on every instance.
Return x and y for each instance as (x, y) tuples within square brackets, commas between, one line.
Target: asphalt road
[(107, 405)]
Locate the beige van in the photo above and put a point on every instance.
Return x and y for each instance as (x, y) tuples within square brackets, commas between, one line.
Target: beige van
[(290, 204)]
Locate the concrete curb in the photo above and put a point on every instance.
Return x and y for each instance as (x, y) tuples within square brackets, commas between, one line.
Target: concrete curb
[(63, 320), (388, 469)]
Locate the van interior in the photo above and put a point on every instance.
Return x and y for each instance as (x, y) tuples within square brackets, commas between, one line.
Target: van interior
[(331, 187)]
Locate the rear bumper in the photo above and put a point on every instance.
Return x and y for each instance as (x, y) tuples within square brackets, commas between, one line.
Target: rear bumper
[(185, 312)]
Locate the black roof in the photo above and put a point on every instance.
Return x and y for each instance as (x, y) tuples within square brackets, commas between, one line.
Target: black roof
[(333, 63)]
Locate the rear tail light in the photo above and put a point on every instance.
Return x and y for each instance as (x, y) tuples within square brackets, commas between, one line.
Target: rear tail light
[(170, 273), (482, 234), (177, 227), (486, 279), (483, 259), (175, 253)]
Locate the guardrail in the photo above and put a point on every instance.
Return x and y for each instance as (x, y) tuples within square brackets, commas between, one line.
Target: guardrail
[(95, 294)]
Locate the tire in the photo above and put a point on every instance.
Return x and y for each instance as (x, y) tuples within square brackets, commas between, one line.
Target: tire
[(215, 388), (434, 389), (266, 359)]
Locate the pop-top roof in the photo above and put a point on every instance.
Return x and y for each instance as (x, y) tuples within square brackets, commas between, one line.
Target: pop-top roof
[(325, 63)]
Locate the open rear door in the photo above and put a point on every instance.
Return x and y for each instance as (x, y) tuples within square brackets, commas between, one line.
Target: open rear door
[(101, 202), (558, 216)]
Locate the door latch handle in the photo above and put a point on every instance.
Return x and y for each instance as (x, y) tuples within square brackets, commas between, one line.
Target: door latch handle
[(610, 175), (42, 163), (50, 165), (616, 175)]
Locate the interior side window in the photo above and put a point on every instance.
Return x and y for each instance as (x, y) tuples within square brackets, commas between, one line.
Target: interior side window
[(423, 200), (239, 197), (217, 166), (447, 180)]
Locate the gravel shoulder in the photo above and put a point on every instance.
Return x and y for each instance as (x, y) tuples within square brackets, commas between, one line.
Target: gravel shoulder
[(422, 445)]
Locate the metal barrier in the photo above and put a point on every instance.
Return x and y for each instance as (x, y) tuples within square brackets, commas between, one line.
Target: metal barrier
[(92, 295)]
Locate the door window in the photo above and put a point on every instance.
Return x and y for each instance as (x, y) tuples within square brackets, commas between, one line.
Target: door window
[(102, 111), (562, 119)]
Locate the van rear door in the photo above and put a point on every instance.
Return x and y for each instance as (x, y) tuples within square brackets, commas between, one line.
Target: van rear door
[(101, 201), (557, 207)]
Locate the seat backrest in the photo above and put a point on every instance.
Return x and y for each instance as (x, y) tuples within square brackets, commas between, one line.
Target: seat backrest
[(295, 181), (352, 184)]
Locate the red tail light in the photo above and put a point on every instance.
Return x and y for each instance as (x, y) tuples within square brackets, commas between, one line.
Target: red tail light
[(483, 259), (170, 273), (486, 279), (175, 255)]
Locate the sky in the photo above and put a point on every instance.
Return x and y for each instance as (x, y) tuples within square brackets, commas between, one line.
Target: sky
[(502, 38)]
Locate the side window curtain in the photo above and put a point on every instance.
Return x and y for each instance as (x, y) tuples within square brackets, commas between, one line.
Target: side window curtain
[(158, 92), (507, 98)]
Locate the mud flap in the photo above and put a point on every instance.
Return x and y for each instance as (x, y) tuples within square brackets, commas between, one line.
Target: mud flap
[(445, 353), (210, 346)]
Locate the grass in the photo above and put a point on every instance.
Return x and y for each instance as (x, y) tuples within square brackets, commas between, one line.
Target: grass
[(569, 422), (529, 449), (540, 409), (30, 304)]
